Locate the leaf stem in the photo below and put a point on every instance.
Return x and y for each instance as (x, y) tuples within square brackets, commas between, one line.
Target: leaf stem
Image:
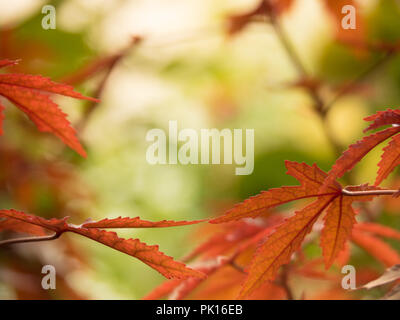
[(369, 192), (237, 267), (30, 239)]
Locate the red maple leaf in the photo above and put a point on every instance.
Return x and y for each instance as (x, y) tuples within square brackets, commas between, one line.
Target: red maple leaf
[(30, 93), (219, 251), (136, 223), (288, 237), (355, 152), (150, 255)]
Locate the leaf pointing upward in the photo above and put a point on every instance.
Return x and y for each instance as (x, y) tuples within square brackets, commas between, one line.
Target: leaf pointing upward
[(310, 178), (355, 152)]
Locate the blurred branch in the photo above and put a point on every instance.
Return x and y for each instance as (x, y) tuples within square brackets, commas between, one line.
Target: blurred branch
[(237, 267), (107, 65), (320, 106), (385, 58), (100, 88), (312, 90)]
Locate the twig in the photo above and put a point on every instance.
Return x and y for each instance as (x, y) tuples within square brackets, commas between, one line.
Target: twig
[(313, 92), (369, 193), (30, 239), (100, 88), (320, 106), (284, 39), (237, 267), (386, 57)]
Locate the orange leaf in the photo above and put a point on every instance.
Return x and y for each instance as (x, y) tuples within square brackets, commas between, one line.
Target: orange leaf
[(133, 247), (383, 118), (150, 255), (376, 248), (22, 227), (390, 159), (288, 238), (235, 233), (356, 152), (30, 93), (311, 179), (390, 156), (136, 223), (379, 230), (339, 222), (344, 255), (280, 246), (56, 225)]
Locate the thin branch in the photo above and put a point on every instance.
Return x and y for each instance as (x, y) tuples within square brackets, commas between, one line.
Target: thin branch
[(385, 58), (30, 239), (319, 103), (284, 39), (100, 88), (370, 193), (320, 106), (237, 267)]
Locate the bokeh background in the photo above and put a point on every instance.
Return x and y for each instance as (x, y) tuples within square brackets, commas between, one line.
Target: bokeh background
[(190, 67)]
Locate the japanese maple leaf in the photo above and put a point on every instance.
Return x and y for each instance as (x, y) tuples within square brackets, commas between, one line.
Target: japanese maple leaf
[(30, 93), (235, 234), (136, 222), (216, 252), (21, 227), (150, 255), (391, 153), (288, 237)]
